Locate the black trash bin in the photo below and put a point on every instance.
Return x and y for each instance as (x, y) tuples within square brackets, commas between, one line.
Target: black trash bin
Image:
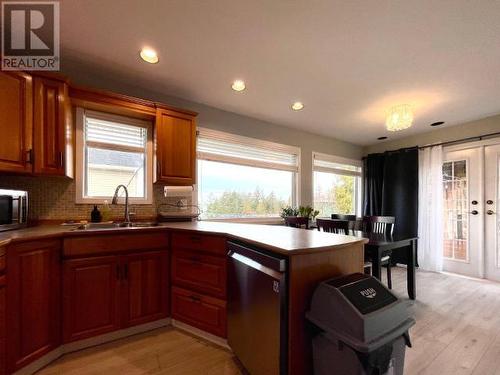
[(362, 328)]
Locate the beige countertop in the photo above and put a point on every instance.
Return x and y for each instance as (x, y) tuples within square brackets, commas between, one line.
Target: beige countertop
[(280, 239)]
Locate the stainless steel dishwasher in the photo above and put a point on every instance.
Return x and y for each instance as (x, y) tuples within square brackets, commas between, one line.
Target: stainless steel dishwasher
[(258, 310)]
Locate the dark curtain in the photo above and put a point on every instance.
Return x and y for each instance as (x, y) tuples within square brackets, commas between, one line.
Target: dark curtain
[(391, 189)]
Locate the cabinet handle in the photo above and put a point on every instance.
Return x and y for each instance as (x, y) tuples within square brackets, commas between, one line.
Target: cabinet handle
[(195, 260), (195, 298), (195, 238), (29, 156), (125, 271), (61, 159), (118, 276), (158, 168)]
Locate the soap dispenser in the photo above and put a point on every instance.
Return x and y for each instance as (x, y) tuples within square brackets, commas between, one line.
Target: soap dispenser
[(95, 215)]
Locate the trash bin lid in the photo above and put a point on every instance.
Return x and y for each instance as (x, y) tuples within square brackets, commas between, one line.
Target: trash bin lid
[(358, 309)]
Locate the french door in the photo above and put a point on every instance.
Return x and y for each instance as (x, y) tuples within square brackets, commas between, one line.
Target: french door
[(471, 180), (492, 219)]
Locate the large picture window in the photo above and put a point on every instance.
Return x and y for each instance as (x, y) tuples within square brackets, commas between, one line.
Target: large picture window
[(112, 150), (336, 185), (244, 178)]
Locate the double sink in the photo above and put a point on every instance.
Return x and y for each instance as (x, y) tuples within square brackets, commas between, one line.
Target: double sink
[(107, 226)]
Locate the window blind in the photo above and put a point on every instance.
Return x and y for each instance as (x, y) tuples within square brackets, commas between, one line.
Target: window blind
[(114, 133), (246, 154), (331, 164)]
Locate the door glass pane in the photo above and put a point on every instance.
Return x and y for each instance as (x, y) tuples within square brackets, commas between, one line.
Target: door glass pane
[(456, 217)]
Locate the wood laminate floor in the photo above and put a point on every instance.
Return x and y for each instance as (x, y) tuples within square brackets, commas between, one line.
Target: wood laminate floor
[(457, 332)]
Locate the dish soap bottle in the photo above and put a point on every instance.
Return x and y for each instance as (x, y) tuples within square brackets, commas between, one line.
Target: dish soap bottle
[(106, 212), (95, 215)]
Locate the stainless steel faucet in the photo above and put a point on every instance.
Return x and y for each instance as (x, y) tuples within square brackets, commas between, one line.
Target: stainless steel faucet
[(115, 201)]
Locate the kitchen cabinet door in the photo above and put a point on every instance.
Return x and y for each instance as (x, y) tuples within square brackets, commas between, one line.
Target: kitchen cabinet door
[(16, 122), (175, 147), (33, 295), (2, 325), (200, 311), (145, 288), (91, 297), (52, 128)]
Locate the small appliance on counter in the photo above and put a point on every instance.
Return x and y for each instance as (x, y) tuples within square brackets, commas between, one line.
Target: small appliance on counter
[(13, 209)]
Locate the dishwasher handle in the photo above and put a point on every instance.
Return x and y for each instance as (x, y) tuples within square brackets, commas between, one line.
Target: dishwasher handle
[(273, 262), (255, 265)]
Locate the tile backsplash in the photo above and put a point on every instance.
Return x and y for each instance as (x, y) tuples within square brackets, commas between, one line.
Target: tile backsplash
[(53, 198)]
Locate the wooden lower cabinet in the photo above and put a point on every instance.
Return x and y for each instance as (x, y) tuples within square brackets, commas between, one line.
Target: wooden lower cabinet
[(145, 292), (200, 272), (200, 311), (91, 297), (2, 325), (33, 301), (104, 294)]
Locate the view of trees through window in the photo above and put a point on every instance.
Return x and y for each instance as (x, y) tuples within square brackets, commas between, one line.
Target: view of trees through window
[(334, 193), (237, 191)]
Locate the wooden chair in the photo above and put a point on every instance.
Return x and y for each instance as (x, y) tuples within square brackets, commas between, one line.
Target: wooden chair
[(297, 221), (350, 218), (338, 227), (379, 224), (382, 225)]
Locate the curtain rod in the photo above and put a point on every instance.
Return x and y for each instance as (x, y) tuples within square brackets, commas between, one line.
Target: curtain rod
[(448, 143), (463, 140)]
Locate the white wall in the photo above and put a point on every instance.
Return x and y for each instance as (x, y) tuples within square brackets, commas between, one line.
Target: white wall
[(213, 118)]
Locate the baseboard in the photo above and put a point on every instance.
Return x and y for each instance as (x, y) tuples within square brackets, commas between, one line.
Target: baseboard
[(87, 343), (219, 341)]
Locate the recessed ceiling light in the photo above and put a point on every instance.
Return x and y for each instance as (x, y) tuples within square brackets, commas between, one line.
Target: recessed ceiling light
[(381, 138), (297, 106), (149, 55), (437, 123), (238, 85)]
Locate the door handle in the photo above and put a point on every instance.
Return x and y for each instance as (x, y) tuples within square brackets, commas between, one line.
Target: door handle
[(474, 212), (490, 212)]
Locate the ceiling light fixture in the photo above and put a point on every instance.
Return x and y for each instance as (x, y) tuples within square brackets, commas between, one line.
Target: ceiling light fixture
[(297, 106), (400, 117), (437, 123), (149, 55), (238, 85)]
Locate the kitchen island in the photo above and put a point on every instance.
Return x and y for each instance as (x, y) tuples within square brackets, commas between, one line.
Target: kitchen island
[(198, 249)]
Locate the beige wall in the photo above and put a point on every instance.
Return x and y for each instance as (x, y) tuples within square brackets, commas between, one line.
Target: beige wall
[(468, 129), (217, 119)]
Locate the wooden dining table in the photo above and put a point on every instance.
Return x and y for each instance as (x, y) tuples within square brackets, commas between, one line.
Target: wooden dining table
[(379, 245)]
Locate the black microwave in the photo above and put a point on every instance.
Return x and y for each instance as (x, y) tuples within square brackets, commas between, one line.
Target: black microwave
[(13, 209)]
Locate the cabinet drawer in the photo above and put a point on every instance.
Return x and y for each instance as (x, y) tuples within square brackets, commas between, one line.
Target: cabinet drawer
[(196, 271), (200, 242), (203, 312)]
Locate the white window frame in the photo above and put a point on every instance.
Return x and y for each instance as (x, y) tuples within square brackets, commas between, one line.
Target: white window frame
[(259, 143), (81, 113), (358, 183)]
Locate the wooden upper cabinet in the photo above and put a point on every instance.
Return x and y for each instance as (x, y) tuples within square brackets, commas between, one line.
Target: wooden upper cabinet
[(33, 295), (175, 147), (16, 119), (52, 128)]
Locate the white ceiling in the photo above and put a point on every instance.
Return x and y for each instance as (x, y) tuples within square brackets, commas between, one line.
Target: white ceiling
[(347, 60)]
